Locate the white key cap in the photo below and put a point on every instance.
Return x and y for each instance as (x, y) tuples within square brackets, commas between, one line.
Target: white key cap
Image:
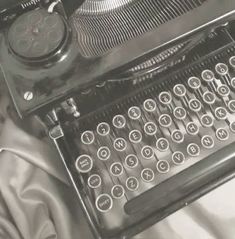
[(195, 105), (193, 150), (87, 137), (221, 69), (179, 90), (162, 144), (165, 98), (120, 144), (147, 175), (150, 105), (131, 161), (209, 98), (118, 191), (150, 128), (94, 181), (192, 128), (119, 121), (135, 136), (104, 203), (134, 113), (147, 152), (163, 166), (103, 129), (222, 134), (178, 158), (207, 142), (180, 113), (116, 169), (232, 61), (177, 136), (132, 184), (84, 163), (207, 121), (221, 113), (165, 120), (194, 83), (103, 153), (233, 82), (232, 126), (223, 90), (231, 106), (208, 75)]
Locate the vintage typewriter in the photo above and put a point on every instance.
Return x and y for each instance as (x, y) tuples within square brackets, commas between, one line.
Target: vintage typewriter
[(138, 97)]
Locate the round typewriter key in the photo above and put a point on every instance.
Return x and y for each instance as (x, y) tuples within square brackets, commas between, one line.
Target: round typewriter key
[(207, 121), (233, 82), (221, 113), (147, 152), (165, 98), (232, 127), (195, 105), (135, 136), (104, 203), (84, 163), (165, 120), (209, 98), (103, 153), (132, 184), (231, 106), (192, 128), (178, 158), (177, 136), (147, 175), (103, 129), (194, 83), (232, 61), (162, 144), (118, 191), (221, 69), (94, 181), (119, 121), (134, 113), (163, 166), (207, 142), (222, 134), (180, 113), (150, 105), (193, 150), (131, 161), (223, 90), (208, 75), (150, 128), (179, 90), (116, 169), (120, 144), (87, 137)]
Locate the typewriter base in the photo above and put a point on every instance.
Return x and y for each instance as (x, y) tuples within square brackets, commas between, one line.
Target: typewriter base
[(228, 173)]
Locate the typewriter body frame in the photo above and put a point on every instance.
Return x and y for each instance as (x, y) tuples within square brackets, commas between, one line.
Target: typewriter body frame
[(102, 69)]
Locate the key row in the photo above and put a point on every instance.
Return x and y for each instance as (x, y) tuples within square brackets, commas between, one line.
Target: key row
[(165, 121), (84, 163)]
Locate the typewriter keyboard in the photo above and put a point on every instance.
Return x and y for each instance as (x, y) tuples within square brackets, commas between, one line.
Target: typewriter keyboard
[(149, 137)]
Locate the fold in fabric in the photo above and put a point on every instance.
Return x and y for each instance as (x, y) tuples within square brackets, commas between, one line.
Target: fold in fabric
[(37, 201)]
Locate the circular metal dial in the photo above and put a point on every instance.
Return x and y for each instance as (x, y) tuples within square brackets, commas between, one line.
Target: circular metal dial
[(36, 34)]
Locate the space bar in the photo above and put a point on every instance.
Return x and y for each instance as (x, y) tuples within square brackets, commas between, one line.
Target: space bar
[(185, 183)]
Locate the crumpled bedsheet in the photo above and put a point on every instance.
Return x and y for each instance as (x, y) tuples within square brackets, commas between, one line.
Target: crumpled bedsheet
[(38, 202)]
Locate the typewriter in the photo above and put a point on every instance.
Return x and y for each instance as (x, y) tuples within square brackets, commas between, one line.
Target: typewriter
[(137, 96)]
